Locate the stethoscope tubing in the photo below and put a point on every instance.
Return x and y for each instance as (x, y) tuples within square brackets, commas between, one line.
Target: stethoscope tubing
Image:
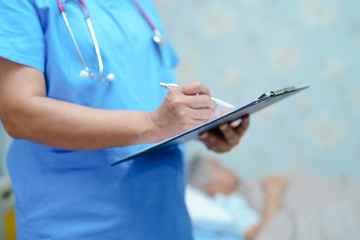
[(145, 16), (157, 37), (93, 38)]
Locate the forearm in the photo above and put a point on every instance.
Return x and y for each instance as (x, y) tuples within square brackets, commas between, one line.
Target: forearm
[(271, 207), (28, 113), (69, 126)]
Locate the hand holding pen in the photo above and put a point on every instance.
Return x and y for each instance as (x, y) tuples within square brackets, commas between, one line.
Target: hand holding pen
[(227, 135), (184, 107)]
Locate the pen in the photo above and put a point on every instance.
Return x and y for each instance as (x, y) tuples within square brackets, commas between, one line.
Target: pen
[(218, 101)]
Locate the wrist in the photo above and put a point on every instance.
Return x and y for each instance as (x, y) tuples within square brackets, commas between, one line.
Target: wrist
[(141, 128), (155, 126)]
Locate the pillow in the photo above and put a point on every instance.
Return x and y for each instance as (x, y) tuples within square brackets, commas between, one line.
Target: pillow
[(205, 213)]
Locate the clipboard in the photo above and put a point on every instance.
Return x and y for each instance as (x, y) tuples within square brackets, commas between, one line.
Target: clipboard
[(263, 101)]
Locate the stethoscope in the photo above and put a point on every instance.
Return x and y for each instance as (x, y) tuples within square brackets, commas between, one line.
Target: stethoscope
[(86, 73)]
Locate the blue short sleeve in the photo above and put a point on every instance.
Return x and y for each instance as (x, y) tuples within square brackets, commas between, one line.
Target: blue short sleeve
[(21, 34)]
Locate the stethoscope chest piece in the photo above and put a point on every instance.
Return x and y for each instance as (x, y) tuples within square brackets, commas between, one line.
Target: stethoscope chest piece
[(159, 38)]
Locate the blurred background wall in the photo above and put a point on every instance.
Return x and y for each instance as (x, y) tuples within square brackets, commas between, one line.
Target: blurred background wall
[(241, 48), (5, 141)]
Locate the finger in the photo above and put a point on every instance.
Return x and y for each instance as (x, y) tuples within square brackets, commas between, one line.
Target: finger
[(177, 99), (231, 136), (214, 142), (207, 140), (203, 114), (200, 101), (219, 148), (243, 126), (237, 123), (195, 87)]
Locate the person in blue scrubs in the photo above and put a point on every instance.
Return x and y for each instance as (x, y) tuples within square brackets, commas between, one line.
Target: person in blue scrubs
[(68, 130)]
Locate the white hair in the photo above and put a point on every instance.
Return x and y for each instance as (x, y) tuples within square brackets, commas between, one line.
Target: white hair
[(199, 172)]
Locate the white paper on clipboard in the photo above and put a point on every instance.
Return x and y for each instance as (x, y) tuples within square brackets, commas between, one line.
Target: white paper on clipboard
[(263, 101)]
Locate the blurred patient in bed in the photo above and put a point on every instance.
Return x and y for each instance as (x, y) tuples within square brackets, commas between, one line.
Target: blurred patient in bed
[(303, 207), (218, 187)]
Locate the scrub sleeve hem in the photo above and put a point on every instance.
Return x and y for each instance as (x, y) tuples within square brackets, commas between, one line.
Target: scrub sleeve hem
[(21, 59)]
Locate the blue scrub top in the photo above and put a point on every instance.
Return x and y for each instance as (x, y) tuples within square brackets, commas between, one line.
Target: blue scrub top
[(64, 194)]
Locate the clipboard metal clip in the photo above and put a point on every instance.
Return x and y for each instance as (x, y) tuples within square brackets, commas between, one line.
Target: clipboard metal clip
[(277, 92)]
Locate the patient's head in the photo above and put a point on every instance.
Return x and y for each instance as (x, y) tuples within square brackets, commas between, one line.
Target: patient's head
[(209, 175)]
